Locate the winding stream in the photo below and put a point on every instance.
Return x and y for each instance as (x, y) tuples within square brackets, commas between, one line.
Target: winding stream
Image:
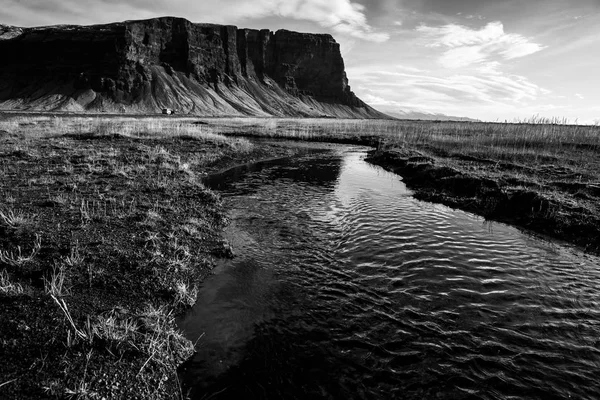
[(344, 286)]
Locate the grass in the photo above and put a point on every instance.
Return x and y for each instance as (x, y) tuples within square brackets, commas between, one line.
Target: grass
[(15, 219), (9, 287), (150, 333), (76, 256), (55, 284), (547, 172), (185, 294), (19, 258), (43, 126), (538, 138), (128, 228), (94, 261)]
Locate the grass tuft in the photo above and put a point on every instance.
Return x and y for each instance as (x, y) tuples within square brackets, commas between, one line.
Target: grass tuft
[(7, 286), (75, 257), (17, 258), (55, 285), (185, 294), (16, 219)]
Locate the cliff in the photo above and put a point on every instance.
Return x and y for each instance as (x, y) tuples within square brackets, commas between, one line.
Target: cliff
[(204, 69)]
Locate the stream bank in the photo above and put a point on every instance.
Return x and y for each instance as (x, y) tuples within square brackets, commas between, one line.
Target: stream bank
[(103, 240), (345, 286), (121, 219), (564, 212)]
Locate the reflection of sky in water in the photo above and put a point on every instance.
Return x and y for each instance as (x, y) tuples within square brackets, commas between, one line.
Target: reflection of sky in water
[(339, 267), (356, 180)]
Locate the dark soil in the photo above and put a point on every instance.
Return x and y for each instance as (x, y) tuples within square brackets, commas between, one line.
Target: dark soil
[(127, 225), (551, 205)]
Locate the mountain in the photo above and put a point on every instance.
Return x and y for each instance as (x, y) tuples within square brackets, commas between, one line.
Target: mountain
[(426, 116), (203, 69)]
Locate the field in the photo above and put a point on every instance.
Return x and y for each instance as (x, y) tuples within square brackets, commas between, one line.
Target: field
[(542, 175), (106, 228), (105, 234)]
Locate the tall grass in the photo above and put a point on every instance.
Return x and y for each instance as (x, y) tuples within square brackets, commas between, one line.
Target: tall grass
[(19, 258), (40, 126), (7, 286), (528, 140), (536, 138)]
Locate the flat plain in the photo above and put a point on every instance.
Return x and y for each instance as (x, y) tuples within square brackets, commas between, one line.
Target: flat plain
[(106, 229)]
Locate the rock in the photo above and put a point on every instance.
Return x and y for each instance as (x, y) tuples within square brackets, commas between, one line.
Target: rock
[(148, 65)]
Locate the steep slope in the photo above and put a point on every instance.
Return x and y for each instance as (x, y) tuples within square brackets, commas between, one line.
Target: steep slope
[(204, 69)]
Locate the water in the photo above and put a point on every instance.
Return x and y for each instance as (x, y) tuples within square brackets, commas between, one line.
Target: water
[(344, 286)]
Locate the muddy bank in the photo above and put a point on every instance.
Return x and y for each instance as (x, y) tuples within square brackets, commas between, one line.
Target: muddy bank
[(561, 211), (103, 240)]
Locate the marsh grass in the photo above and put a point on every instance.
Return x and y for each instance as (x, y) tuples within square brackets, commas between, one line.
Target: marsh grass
[(520, 140), (54, 285), (152, 332), (16, 219), (535, 152), (185, 294), (133, 197), (60, 199), (19, 258), (112, 241), (76, 255), (84, 127), (9, 287)]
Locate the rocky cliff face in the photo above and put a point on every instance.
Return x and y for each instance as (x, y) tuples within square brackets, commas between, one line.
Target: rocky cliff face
[(205, 69)]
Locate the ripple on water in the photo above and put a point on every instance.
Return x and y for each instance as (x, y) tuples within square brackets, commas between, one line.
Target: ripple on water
[(345, 286)]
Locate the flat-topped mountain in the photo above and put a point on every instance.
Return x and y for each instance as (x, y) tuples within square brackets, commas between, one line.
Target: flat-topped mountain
[(204, 69)]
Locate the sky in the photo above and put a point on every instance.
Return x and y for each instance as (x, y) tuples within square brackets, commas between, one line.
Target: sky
[(494, 60)]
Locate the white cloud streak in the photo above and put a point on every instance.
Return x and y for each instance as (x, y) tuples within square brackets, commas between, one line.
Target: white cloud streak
[(470, 95), (340, 16), (465, 46)]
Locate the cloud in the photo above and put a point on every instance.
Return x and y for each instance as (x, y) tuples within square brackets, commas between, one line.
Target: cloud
[(465, 46), (341, 16), (376, 100), (477, 95)]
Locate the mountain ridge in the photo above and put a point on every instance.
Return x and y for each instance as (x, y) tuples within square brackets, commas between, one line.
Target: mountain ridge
[(426, 116), (143, 66)]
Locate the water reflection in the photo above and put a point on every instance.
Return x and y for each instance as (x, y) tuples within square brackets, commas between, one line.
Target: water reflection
[(344, 286)]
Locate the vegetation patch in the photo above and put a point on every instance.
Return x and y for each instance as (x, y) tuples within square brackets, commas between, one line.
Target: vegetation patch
[(106, 230), (540, 174)]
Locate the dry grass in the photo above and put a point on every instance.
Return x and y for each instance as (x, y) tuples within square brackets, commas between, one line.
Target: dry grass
[(55, 284), (138, 193), (152, 332), (111, 211), (76, 256), (9, 287), (535, 141), (19, 258), (16, 219), (526, 146), (185, 294), (536, 137), (38, 126)]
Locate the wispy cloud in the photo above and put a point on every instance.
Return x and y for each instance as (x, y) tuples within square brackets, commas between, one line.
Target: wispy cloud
[(341, 16), (468, 89), (402, 88), (465, 46)]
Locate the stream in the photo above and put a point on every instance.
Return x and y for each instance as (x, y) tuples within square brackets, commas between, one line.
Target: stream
[(343, 286)]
